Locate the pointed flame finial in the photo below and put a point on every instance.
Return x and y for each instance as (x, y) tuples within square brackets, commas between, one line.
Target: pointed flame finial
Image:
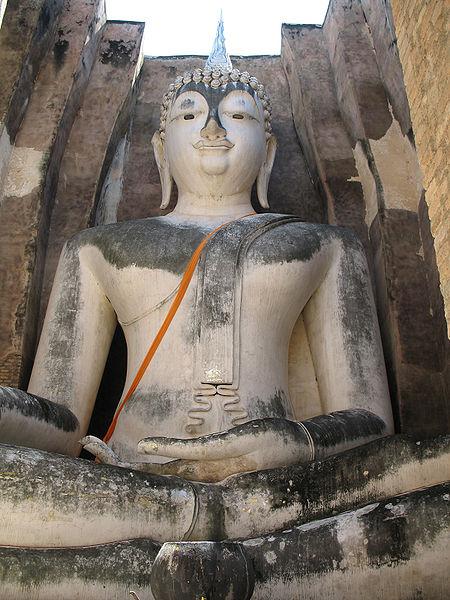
[(219, 58)]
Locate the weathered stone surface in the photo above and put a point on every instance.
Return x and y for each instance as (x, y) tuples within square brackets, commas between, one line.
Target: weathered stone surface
[(370, 473), (218, 570), (243, 506), (137, 179), (320, 128), (385, 538), (380, 23), (422, 32), (26, 32), (31, 178), (364, 165), (410, 331), (437, 309), (360, 90), (106, 571), (96, 131), (342, 79), (393, 549), (116, 504)]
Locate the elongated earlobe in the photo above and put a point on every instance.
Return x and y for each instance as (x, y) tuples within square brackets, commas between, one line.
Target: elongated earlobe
[(262, 182), (163, 168)]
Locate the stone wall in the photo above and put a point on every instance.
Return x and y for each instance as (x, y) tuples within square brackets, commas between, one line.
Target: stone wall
[(352, 116), (78, 108), (44, 112), (422, 39)]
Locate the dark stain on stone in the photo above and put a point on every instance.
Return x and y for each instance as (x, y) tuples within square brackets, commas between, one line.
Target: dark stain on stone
[(357, 310), (392, 533), (44, 21), (417, 595), (214, 96), (274, 406), (204, 571), (117, 53), (156, 405), (343, 427), (374, 106), (217, 310), (64, 333), (399, 526), (113, 563), (314, 491), (37, 408), (68, 485), (317, 551), (220, 269), (59, 52), (147, 243), (411, 298), (387, 538), (288, 242), (187, 102), (211, 506)]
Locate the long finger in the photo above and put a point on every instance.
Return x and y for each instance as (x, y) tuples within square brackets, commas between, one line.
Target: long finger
[(208, 471), (99, 449), (228, 444)]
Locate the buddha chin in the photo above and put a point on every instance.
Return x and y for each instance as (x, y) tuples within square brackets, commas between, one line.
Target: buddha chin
[(214, 161)]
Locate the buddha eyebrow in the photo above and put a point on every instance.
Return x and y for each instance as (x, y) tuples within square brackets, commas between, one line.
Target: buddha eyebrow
[(239, 104), (187, 103)]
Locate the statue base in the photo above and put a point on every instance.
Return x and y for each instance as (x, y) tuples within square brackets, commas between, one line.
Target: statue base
[(350, 540)]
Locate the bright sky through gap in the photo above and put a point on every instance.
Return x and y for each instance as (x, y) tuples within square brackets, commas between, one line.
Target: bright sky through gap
[(175, 27)]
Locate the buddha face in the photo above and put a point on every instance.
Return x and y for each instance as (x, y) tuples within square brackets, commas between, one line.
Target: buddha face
[(215, 139)]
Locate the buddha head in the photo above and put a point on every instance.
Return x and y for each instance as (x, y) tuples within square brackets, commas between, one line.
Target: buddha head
[(215, 137)]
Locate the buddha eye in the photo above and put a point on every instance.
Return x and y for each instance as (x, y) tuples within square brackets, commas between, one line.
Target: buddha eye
[(188, 117), (238, 116)]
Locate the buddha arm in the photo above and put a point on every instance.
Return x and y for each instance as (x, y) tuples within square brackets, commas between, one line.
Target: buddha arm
[(342, 329), (70, 359), (28, 420), (341, 430)]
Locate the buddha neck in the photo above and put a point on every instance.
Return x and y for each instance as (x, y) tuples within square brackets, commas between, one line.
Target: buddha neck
[(192, 205)]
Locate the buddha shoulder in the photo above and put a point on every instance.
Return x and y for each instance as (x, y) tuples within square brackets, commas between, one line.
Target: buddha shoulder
[(155, 243), (299, 241)]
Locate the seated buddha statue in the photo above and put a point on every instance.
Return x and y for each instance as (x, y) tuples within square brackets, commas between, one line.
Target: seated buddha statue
[(264, 343)]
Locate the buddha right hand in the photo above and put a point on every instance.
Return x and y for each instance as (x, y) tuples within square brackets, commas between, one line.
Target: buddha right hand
[(255, 445), (28, 420)]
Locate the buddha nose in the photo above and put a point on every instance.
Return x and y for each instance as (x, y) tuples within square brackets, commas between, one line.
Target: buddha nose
[(212, 130)]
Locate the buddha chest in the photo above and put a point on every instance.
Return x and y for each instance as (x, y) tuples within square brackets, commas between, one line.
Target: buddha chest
[(223, 360)]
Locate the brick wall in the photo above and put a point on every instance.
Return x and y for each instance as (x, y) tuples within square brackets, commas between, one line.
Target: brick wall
[(422, 42)]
